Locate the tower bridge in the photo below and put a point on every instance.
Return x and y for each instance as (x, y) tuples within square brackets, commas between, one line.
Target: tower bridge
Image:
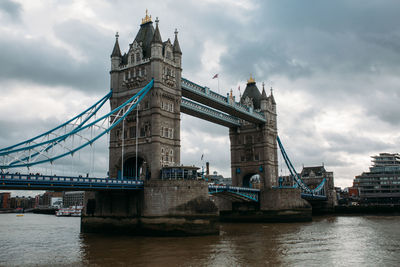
[(147, 96)]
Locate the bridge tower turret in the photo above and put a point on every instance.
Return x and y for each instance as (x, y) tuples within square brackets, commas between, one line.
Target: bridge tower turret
[(253, 146), (177, 50), (157, 130), (116, 58)]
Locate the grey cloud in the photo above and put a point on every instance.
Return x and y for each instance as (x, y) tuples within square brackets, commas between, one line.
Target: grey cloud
[(12, 133), (387, 110), (354, 143), (38, 61), (11, 9), (305, 40), (86, 39), (331, 16), (263, 58)]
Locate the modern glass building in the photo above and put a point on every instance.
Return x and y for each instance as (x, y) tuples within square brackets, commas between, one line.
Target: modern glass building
[(382, 183)]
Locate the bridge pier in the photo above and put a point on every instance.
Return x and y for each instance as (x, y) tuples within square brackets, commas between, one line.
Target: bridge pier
[(112, 212), (171, 207), (178, 207), (285, 204), (275, 205)]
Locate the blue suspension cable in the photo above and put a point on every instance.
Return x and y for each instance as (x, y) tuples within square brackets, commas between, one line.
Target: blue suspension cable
[(134, 101)]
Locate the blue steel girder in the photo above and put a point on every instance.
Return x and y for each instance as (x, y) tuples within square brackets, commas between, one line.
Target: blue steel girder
[(16, 156), (46, 182), (242, 193), (206, 113), (210, 98)]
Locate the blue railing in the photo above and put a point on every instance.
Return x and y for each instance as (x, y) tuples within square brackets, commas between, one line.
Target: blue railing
[(243, 192), (47, 182)]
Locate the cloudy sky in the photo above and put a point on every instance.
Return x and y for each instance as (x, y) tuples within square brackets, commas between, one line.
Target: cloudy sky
[(334, 67)]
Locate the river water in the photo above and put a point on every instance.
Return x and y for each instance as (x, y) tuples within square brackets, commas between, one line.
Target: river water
[(327, 241)]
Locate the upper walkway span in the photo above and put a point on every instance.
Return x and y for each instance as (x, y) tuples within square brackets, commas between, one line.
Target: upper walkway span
[(212, 99), (208, 114)]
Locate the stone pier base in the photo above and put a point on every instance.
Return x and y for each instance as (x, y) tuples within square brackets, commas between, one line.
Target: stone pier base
[(275, 205), (285, 204), (163, 208)]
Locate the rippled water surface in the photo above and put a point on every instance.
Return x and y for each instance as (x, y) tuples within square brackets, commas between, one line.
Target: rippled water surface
[(327, 241)]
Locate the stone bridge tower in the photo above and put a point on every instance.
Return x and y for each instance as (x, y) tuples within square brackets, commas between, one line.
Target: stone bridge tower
[(158, 128), (254, 147)]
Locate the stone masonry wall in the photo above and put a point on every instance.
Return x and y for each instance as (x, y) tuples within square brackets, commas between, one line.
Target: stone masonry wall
[(177, 198)]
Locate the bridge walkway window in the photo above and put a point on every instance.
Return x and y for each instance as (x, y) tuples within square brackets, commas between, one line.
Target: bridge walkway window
[(179, 173)]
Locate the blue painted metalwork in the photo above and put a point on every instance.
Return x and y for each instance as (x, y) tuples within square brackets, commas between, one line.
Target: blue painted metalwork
[(205, 111), (250, 194), (253, 194), (120, 112), (95, 106), (45, 182), (318, 192), (222, 100)]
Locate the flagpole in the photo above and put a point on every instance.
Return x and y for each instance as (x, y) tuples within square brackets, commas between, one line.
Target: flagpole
[(202, 166)]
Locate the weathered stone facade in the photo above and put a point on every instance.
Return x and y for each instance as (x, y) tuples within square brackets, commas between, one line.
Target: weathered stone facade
[(164, 207), (159, 112), (254, 147), (172, 207)]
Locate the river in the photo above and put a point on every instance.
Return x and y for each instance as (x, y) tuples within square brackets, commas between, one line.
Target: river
[(328, 241)]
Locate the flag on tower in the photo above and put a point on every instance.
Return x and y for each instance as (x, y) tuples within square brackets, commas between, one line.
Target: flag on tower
[(215, 76)]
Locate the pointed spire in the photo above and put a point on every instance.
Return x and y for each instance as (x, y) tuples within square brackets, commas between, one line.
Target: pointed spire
[(263, 94), (272, 97), (177, 48), (157, 35), (116, 51)]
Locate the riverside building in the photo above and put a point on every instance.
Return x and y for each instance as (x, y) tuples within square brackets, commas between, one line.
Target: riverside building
[(382, 183)]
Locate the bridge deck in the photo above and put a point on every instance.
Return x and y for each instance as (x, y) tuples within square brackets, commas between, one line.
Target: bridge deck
[(67, 183), (207, 97)]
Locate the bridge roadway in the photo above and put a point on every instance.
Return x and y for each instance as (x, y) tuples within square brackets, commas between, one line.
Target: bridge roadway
[(208, 114), (205, 96), (68, 183)]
